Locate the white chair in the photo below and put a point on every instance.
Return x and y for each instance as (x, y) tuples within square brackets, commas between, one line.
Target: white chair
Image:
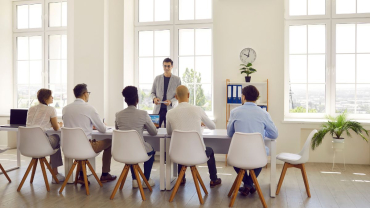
[(187, 149), (247, 152), (2, 169), (76, 145), (128, 148), (34, 143), (297, 161)]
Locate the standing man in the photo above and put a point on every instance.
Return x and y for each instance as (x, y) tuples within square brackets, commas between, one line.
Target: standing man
[(164, 91)]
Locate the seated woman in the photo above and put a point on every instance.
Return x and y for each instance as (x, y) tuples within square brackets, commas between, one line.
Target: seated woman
[(45, 116), (132, 118), (250, 118)]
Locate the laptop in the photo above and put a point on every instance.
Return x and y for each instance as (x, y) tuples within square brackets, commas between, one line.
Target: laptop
[(18, 117), (155, 119)]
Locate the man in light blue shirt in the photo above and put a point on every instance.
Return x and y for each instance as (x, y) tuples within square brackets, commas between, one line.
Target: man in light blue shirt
[(250, 118)]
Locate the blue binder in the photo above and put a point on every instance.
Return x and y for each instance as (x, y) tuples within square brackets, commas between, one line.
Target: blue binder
[(239, 94), (235, 94), (229, 94)]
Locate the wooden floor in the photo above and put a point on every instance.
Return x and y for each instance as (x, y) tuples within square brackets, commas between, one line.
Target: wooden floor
[(350, 188)]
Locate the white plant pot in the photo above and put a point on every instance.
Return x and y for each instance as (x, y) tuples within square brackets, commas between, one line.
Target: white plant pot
[(338, 144)]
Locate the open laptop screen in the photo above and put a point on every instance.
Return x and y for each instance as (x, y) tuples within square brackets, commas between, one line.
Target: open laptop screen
[(18, 116), (155, 119)]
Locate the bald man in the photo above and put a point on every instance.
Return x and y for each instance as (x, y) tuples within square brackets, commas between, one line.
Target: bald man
[(186, 117)]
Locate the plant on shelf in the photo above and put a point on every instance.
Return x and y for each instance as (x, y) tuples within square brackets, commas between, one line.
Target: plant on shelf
[(247, 69), (336, 127)]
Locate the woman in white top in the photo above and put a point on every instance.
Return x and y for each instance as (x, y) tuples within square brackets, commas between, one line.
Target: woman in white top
[(45, 116)]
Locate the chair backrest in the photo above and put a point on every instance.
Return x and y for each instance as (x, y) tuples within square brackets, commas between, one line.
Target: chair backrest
[(75, 144), (34, 142), (247, 151), (305, 152), (127, 147), (186, 148)]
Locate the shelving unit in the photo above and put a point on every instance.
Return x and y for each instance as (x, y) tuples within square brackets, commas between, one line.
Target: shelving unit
[(263, 88)]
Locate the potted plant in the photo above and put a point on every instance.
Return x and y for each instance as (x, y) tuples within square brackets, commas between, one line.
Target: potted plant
[(337, 126), (247, 69)]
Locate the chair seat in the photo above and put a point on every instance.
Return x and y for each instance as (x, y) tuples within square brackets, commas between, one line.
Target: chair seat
[(289, 158), (83, 158), (35, 155), (132, 162), (188, 163)]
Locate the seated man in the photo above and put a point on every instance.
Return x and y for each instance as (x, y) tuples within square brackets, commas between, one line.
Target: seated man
[(250, 118), (186, 117), (132, 118), (81, 114)]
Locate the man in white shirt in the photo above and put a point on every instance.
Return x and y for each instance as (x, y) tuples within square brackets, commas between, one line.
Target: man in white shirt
[(81, 114), (186, 117)]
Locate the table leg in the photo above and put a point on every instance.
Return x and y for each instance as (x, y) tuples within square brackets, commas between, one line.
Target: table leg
[(67, 167), (162, 173), (273, 168), (18, 151), (170, 182)]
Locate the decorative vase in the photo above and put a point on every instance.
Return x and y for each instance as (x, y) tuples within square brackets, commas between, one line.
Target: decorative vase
[(338, 144), (248, 79)]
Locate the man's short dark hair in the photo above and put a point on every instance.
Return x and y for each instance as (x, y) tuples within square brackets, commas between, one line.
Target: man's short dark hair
[(130, 95), (167, 60), (251, 93), (79, 90)]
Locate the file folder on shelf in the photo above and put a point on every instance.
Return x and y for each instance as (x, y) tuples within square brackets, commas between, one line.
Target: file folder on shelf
[(235, 93), (229, 94), (239, 92)]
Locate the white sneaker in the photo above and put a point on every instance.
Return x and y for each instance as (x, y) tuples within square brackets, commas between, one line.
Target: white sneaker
[(60, 178), (151, 183), (134, 184)]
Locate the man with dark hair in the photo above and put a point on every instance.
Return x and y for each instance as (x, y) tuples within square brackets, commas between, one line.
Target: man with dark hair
[(81, 114), (132, 118), (250, 118), (164, 90)]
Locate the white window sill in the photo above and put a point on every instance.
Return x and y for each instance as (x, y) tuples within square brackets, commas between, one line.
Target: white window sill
[(317, 121)]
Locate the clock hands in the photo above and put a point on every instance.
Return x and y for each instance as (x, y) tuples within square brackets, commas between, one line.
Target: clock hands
[(247, 55)]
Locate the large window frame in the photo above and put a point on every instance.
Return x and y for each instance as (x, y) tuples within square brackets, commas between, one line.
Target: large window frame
[(174, 25), (330, 19), (44, 32)]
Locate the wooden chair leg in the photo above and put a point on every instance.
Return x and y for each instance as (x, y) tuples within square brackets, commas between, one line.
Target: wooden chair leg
[(83, 164), (201, 181), (69, 175), (179, 179), (93, 172), (237, 185), (139, 182), (254, 178), (118, 182), (44, 174), (226, 160), (234, 184), (195, 178), (51, 170), (127, 167), (77, 171), (6, 175), (26, 174), (34, 170), (281, 178), (144, 178), (304, 175)]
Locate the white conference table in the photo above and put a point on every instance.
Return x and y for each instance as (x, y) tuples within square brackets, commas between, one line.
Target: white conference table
[(217, 139)]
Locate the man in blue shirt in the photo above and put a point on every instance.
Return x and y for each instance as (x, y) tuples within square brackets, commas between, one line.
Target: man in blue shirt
[(250, 118)]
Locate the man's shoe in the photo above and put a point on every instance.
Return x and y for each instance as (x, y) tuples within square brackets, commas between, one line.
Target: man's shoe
[(134, 183), (81, 181), (107, 178), (183, 181), (215, 182), (245, 191), (150, 181), (60, 178)]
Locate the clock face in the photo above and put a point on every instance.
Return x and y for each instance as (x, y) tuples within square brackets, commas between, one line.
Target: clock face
[(248, 55)]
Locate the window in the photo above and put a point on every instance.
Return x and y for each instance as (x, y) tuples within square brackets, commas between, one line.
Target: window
[(184, 38), (40, 51), (327, 61)]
